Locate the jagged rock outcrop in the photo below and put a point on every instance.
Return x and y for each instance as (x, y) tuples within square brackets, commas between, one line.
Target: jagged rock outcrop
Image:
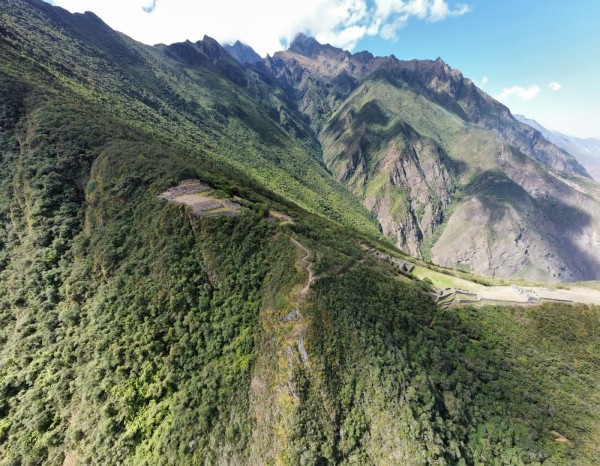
[(207, 53), (243, 53), (319, 77)]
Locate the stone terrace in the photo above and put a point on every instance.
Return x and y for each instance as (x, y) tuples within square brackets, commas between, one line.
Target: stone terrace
[(199, 197)]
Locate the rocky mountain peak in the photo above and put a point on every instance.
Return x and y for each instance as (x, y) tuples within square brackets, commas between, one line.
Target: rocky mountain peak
[(211, 47), (363, 57), (311, 48), (305, 45), (443, 70), (207, 53), (243, 53), (198, 53)]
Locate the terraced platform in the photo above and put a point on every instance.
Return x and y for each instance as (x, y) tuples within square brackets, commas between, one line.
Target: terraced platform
[(200, 197)]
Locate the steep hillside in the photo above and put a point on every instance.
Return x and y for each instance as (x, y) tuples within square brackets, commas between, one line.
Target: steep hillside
[(193, 95), (586, 151), (135, 332), (424, 149)]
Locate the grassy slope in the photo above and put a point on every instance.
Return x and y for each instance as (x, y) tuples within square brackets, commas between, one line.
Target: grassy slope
[(133, 333), (463, 142)]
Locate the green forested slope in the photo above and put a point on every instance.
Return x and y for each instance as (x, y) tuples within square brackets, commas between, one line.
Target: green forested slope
[(192, 96), (132, 332)]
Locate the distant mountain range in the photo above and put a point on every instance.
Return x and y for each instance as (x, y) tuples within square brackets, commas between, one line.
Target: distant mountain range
[(585, 150)]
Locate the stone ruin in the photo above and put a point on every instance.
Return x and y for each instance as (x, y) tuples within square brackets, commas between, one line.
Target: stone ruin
[(204, 205), (400, 264), (183, 188), (529, 296)]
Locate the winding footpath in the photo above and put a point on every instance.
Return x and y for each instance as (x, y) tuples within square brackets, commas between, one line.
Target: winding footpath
[(307, 265)]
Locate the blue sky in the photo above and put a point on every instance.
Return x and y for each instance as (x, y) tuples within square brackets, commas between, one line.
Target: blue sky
[(539, 57)]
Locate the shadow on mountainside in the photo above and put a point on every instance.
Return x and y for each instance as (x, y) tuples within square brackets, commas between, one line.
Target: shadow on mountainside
[(556, 222)]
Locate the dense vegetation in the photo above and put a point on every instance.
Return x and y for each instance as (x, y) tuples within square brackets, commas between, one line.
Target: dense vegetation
[(132, 332), (413, 384)]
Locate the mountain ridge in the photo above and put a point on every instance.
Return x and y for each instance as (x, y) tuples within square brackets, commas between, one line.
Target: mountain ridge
[(432, 103), (586, 150), (243, 53)]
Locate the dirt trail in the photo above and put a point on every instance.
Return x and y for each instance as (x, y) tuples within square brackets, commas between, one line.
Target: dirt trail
[(307, 265)]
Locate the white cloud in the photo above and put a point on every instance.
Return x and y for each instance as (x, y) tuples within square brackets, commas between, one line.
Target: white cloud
[(523, 93), (440, 10), (264, 24), (555, 86), (149, 6), (483, 82), (394, 14)]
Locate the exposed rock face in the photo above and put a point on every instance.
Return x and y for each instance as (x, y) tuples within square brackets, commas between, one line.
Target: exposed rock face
[(422, 169), (524, 221), (207, 53), (494, 239), (405, 178), (243, 53), (449, 172), (564, 211)]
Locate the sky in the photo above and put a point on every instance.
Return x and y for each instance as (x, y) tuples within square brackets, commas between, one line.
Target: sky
[(541, 58)]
